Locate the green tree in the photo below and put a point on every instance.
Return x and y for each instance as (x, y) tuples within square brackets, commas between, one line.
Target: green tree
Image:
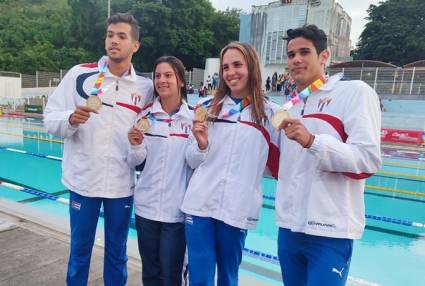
[(48, 35), (191, 30), (87, 25), (34, 35), (394, 33)]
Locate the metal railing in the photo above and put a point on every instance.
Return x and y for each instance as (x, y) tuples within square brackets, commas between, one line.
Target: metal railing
[(389, 82), (52, 79)]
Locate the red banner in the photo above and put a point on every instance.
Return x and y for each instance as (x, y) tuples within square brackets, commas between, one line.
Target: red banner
[(401, 136)]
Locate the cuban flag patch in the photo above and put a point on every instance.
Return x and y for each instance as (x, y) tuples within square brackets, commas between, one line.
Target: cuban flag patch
[(189, 219), (75, 205)]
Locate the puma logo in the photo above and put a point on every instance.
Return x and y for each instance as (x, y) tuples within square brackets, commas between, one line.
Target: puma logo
[(338, 272)]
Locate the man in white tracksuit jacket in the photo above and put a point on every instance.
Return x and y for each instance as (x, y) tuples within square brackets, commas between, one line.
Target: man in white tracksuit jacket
[(94, 164), (332, 144)]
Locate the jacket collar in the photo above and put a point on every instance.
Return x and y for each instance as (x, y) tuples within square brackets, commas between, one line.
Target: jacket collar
[(129, 75), (332, 81), (183, 111), (227, 100)]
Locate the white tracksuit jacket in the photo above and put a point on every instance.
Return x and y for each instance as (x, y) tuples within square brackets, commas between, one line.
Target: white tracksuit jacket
[(226, 185), (320, 189), (94, 157), (162, 184)]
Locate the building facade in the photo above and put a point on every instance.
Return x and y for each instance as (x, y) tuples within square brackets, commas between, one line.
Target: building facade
[(266, 27)]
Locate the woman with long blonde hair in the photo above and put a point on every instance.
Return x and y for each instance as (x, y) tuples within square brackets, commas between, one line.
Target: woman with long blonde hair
[(229, 155)]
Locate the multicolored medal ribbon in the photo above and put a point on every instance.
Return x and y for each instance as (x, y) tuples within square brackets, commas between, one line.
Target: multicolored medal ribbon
[(96, 90), (296, 97), (241, 106), (300, 96), (152, 117), (93, 101), (207, 105)]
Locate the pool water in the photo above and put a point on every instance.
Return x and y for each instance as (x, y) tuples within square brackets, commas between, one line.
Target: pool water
[(387, 254)]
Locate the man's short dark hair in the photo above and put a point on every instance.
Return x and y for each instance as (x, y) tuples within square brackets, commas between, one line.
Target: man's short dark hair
[(312, 33), (126, 18)]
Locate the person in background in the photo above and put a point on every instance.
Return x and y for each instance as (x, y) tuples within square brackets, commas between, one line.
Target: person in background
[(161, 187), (274, 81), (224, 198), (330, 145), (268, 84), (202, 91), (215, 81), (94, 168), (190, 89), (209, 83)]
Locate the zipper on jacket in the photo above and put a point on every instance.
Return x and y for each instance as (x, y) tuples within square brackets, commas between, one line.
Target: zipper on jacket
[(226, 179), (116, 86)]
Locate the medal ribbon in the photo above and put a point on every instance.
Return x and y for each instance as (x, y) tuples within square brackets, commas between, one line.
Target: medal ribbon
[(297, 97), (153, 117), (96, 90), (241, 106)]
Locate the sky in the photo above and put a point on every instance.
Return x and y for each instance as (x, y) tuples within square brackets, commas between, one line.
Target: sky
[(356, 9)]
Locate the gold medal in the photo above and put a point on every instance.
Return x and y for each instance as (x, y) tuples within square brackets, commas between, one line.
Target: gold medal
[(143, 124), (94, 102), (278, 117), (201, 114)]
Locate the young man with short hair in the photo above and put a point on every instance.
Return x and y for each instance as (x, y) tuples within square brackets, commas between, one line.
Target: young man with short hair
[(92, 109), (331, 144)]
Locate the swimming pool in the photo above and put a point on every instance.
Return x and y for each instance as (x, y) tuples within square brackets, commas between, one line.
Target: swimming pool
[(390, 253)]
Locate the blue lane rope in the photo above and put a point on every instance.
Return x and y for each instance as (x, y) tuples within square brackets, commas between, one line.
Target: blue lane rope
[(66, 201), (261, 255), (37, 193), (396, 221), (31, 153), (379, 218)]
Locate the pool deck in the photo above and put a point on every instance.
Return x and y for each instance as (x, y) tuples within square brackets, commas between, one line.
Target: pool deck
[(34, 249)]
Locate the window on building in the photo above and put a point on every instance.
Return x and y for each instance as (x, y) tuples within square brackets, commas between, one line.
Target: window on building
[(274, 47), (268, 46)]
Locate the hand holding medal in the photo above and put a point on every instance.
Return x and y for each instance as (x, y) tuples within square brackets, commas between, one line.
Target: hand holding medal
[(201, 114), (80, 115), (294, 129), (279, 117), (135, 136), (143, 125)]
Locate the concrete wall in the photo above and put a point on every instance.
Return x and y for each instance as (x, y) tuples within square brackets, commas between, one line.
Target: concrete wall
[(35, 92), (10, 87)]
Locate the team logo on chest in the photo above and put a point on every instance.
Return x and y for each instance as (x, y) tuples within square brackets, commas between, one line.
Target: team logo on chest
[(186, 127), (136, 98), (323, 102)]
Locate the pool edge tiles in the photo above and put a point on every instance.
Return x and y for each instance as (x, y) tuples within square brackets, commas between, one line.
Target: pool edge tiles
[(56, 223)]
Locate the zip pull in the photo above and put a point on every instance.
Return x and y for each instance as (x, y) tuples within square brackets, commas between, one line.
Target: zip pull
[(116, 86)]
